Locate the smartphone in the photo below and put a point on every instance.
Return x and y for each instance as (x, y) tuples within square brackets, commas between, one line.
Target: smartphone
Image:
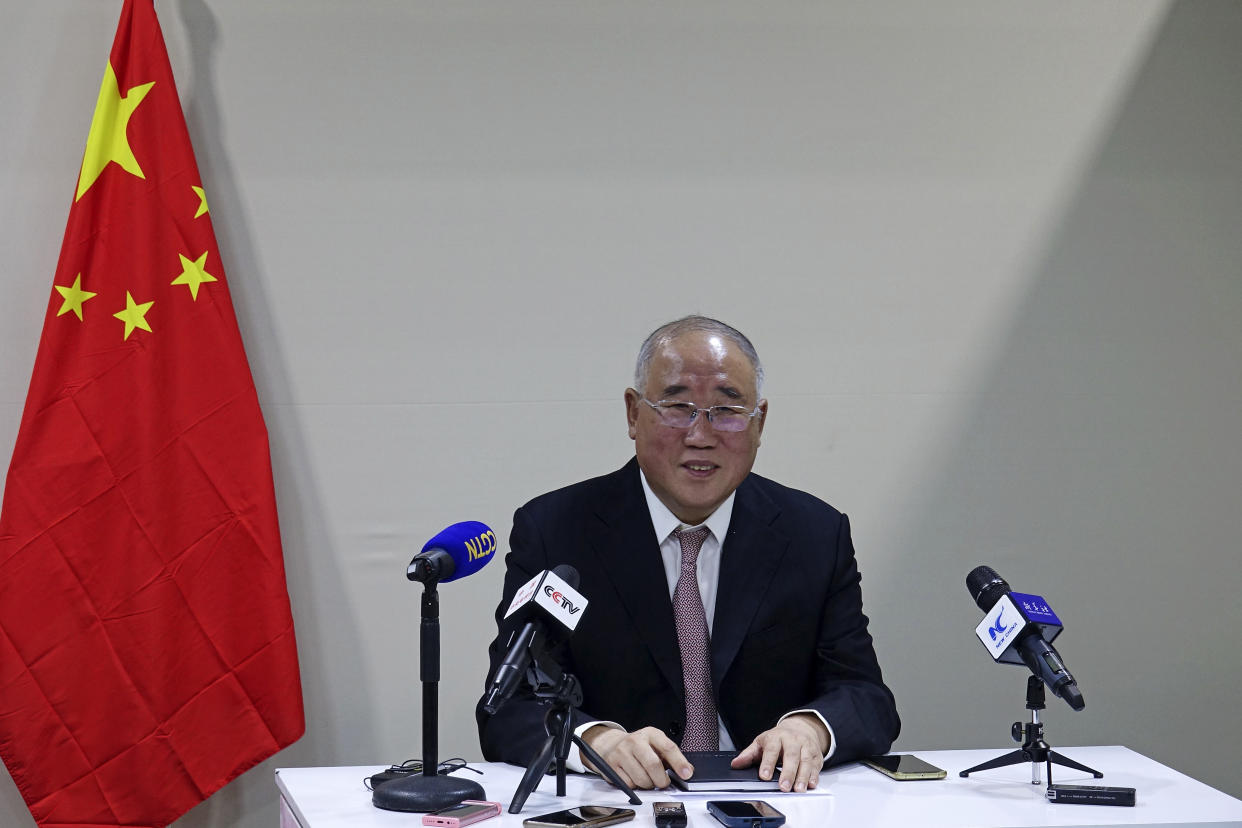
[(904, 767), (591, 815), (465, 813), (745, 813), (669, 814)]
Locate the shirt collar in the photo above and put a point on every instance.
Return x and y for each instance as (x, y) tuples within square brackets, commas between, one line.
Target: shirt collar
[(665, 522)]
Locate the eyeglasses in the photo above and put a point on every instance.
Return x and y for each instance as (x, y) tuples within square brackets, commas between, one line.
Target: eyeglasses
[(677, 414)]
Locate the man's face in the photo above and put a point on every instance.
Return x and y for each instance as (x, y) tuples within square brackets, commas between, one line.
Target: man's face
[(693, 470)]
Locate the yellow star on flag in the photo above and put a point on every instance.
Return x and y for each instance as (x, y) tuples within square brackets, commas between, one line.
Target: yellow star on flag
[(193, 274), (74, 297), (107, 141), (202, 200), (134, 315)]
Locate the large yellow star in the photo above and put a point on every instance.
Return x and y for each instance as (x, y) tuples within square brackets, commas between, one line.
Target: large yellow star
[(193, 274), (134, 315), (107, 141), (74, 297), (202, 200)]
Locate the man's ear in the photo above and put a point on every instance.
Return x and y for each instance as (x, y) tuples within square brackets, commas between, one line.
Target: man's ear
[(763, 420), (631, 411)]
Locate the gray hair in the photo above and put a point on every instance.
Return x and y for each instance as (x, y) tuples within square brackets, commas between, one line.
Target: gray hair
[(694, 322)]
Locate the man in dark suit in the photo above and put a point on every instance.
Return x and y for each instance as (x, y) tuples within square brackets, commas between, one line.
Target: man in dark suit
[(762, 644)]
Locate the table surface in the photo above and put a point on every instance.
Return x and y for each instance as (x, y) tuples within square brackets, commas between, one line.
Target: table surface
[(850, 795)]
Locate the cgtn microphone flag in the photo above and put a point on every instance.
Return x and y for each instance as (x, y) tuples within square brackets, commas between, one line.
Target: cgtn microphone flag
[(147, 652)]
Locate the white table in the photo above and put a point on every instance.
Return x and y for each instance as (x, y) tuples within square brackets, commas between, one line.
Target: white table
[(852, 796)]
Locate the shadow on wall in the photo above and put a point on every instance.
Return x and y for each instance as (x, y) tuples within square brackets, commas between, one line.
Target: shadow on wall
[(1101, 466), (320, 608)]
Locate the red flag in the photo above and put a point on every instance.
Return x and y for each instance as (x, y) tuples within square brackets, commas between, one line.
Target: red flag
[(147, 654)]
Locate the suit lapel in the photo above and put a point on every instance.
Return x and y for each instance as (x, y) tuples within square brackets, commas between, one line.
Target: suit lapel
[(629, 554), (750, 558)]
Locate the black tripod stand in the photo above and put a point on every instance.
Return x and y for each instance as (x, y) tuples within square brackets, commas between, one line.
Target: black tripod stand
[(1034, 749), (565, 693)]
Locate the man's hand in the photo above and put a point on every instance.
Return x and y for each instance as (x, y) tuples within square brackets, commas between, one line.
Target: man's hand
[(797, 743), (639, 758)]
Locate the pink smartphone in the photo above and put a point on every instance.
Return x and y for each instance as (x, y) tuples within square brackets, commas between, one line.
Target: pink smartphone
[(467, 813)]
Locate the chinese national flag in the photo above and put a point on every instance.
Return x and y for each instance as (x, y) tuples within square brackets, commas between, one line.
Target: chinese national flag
[(147, 654)]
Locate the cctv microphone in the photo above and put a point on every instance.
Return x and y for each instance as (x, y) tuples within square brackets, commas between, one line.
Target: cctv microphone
[(1017, 629), (548, 607), (460, 550)]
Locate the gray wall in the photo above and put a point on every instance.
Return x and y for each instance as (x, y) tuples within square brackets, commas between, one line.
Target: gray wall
[(990, 253)]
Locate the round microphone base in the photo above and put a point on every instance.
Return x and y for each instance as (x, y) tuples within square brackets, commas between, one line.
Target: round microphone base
[(418, 793)]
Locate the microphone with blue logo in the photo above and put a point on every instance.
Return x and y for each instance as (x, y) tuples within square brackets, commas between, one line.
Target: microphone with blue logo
[(460, 550), (1017, 628)]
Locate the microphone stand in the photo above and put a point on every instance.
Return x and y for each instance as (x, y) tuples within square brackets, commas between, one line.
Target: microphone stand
[(430, 790), (565, 692), (1034, 749)]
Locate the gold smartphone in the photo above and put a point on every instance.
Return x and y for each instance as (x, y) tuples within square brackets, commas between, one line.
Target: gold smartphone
[(903, 767)]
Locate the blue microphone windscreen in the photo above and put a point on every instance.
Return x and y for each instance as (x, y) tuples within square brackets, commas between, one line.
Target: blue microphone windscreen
[(470, 543)]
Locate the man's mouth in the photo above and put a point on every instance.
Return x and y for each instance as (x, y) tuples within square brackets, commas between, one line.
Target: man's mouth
[(699, 468)]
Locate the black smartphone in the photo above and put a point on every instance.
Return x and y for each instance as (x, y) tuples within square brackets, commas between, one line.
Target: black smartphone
[(904, 767), (745, 813), (591, 815), (669, 814)]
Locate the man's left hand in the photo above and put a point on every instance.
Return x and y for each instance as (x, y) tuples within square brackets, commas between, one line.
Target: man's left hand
[(797, 743)]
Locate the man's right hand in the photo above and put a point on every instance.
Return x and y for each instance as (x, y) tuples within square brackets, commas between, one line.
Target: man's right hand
[(639, 758)]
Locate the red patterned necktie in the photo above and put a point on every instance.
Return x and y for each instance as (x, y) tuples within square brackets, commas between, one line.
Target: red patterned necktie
[(702, 730)]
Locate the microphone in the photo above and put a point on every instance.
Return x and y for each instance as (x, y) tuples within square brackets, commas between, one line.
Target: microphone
[(1017, 628), (548, 607), (460, 550)]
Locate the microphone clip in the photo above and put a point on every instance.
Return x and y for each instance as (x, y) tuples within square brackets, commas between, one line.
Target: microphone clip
[(429, 568)]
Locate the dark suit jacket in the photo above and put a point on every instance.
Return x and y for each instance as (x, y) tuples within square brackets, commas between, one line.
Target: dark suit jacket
[(789, 631)]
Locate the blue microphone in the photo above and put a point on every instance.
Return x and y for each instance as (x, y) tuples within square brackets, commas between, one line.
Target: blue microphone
[(1018, 628), (460, 550)]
